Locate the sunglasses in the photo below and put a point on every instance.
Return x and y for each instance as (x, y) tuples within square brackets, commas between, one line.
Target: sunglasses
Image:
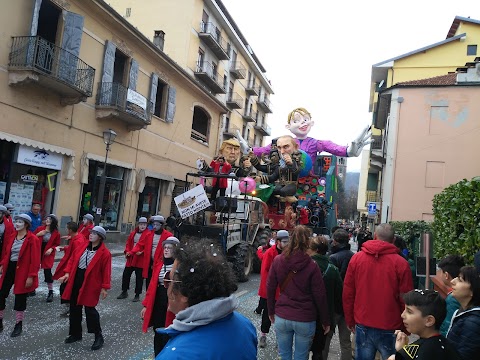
[(167, 281)]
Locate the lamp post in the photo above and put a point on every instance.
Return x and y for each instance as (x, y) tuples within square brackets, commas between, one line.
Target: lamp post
[(108, 138)]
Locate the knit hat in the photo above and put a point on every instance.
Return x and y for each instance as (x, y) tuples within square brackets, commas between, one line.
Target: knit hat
[(142, 220), (100, 231), (282, 234), (24, 217), (88, 217), (171, 240)]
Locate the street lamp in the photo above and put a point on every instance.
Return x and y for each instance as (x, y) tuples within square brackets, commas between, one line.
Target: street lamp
[(108, 138)]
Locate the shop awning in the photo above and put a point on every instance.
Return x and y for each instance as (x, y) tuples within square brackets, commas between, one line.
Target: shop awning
[(160, 176), (143, 174), (109, 161), (36, 144)]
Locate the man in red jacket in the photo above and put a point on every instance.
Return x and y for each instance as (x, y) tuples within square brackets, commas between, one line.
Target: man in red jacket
[(376, 278), (219, 166), (6, 228)]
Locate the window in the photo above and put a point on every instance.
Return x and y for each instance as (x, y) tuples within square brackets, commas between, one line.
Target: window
[(227, 122), (472, 50), (200, 59), (128, 12), (225, 82), (200, 125), (160, 100)]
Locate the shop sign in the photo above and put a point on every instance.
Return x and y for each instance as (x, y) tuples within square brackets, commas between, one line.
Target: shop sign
[(38, 157), (29, 178), (192, 201)]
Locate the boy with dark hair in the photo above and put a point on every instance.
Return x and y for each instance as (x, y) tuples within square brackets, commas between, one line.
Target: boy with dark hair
[(424, 312), (450, 268)]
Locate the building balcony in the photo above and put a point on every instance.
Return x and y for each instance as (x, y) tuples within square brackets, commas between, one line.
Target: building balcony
[(371, 196), (35, 60), (252, 90), (234, 101), (238, 70), (210, 35), (210, 77), (230, 131), (118, 102), (377, 143), (250, 116), (265, 105), (263, 129)]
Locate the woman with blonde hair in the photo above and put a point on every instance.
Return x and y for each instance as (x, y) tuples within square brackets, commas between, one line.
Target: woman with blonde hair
[(302, 298)]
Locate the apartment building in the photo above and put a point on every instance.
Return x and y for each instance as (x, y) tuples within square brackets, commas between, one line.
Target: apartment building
[(203, 38), (72, 70)]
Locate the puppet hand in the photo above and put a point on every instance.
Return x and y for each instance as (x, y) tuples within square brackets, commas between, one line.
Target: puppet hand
[(247, 163), (356, 146), (244, 147), (200, 163)]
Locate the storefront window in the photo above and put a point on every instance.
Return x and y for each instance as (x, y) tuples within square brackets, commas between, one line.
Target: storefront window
[(148, 199), (112, 198)]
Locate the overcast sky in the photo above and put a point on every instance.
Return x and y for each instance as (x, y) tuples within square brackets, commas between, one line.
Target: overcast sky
[(319, 55)]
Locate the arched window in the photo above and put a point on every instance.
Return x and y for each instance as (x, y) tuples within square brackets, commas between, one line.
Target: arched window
[(200, 125)]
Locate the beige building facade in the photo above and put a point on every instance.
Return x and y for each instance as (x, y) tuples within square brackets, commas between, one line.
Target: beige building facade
[(72, 69)]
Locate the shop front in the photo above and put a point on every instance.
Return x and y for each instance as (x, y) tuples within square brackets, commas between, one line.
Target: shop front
[(152, 187)]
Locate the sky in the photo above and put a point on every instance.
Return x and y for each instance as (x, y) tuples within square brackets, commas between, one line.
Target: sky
[(319, 54)]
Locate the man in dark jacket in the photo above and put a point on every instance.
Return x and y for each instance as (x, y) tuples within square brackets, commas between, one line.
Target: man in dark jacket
[(341, 255)]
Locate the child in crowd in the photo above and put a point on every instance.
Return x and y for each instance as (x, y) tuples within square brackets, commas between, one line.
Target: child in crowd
[(450, 267), (424, 313)]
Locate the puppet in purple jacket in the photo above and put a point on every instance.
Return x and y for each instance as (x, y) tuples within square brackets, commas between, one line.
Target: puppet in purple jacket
[(300, 123)]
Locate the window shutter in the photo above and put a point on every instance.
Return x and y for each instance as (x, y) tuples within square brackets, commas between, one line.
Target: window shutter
[(153, 92), (172, 93), (72, 38), (133, 76), (35, 14), (107, 73)]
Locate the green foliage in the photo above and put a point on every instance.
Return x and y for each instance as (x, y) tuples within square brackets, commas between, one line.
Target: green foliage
[(456, 227), (411, 232)]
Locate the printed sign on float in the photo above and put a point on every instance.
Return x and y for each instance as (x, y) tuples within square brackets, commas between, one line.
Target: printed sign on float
[(192, 201)]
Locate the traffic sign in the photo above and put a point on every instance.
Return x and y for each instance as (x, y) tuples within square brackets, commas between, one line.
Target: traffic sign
[(372, 209)]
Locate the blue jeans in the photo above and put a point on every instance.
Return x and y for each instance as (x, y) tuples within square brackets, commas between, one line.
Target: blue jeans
[(370, 340), (287, 330)]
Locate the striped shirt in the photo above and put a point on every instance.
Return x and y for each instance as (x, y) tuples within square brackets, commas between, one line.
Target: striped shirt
[(136, 238), (163, 271), (156, 240), (17, 245), (47, 236), (87, 257)]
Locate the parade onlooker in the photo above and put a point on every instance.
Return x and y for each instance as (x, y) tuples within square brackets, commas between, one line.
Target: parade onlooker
[(423, 314), (154, 312), (86, 226), (75, 239), (464, 329), (375, 281), (88, 275), (333, 285), (282, 239), (262, 302), (149, 244), (34, 214), (450, 268), (134, 261), (200, 293), (19, 268), (302, 298), (363, 236), (50, 239), (6, 229), (340, 257)]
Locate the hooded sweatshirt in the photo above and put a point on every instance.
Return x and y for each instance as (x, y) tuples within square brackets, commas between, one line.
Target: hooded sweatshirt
[(376, 278), (464, 333), (303, 297), (210, 330)]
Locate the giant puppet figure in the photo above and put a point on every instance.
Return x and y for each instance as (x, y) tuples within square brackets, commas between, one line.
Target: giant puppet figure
[(300, 123)]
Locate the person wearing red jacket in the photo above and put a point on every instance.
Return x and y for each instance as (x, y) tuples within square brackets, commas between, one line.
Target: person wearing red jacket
[(134, 261), (19, 268), (149, 244), (6, 228), (88, 276), (50, 239), (281, 242), (219, 166), (86, 226), (374, 283), (154, 312), (75, 239)]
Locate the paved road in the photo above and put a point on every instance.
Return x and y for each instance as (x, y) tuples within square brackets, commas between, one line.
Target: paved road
[(45, 331)]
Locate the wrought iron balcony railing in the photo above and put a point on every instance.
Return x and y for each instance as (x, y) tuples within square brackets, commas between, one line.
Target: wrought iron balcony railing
[(265, 104), (208, 74), (37, 54), (238, 70), (211, 35), (234, 101), (121, 98)]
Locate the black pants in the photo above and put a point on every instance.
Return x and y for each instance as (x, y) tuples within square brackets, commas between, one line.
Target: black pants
[(215, 190), (127, 274), (318, 342), (8, 281), (266, 323), (62, 289), (285, 190), (159, 315), (150, 271), (46, 272), (91, 314)]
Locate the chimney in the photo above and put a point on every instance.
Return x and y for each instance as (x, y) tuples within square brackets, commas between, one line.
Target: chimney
[(159, 39)]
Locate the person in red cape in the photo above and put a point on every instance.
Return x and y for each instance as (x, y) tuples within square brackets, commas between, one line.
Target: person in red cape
[(88, 276), (134, 261), (149, 244), (6, 228), (219, 166), (154, 312), (19, 268), (75, 239), (50, 239), (86, 226)]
